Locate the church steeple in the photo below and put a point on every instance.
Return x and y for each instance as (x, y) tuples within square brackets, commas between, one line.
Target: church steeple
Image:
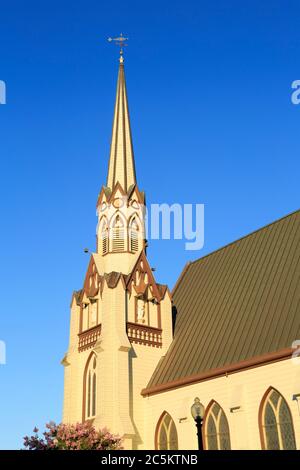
[(121, 319), (121, 162), (120, 204)]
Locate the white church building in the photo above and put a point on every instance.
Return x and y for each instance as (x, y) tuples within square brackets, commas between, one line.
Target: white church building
[(139, 355)]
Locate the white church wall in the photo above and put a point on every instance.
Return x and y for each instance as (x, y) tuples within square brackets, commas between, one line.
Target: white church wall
[(244, 389)]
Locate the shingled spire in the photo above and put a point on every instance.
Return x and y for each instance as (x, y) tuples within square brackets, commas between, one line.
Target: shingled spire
[(121, 162)]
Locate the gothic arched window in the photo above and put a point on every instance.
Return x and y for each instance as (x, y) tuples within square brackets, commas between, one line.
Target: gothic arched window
[(90, 388), (166, 433), (133, 236), (118, 235), (216, 429), (276, 424)]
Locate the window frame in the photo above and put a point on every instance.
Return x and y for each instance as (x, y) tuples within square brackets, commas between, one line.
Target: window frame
[(167, 428), (209, 413), (89, 402), (276, 410)]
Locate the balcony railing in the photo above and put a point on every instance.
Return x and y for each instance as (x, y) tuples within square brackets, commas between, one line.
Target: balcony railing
[(88, 338), (142, 334)]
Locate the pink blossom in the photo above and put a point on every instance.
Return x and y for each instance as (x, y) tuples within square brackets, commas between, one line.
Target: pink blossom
[(79, 436)]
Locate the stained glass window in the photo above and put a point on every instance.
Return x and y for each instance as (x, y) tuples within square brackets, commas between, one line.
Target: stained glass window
[(216, 429), (173, 444), (271, 428), (277, 423), (167, 438), (211, 434)]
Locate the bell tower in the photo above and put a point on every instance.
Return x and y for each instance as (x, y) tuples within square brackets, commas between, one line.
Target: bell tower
[(121, 322), (120, 205)]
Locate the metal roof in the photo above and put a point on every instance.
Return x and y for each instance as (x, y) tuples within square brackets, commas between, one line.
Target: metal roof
[(236, 303)]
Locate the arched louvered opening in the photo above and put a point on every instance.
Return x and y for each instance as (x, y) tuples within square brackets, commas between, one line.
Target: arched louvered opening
[(133, 235), (118, 235), (104, 236), (216, 429), (276, 423), (166, 434), (90, 388)]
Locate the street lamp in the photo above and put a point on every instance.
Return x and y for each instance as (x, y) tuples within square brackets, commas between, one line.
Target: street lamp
[(197, 411)]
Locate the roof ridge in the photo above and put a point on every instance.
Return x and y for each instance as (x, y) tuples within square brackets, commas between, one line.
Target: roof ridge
[(245, 236)]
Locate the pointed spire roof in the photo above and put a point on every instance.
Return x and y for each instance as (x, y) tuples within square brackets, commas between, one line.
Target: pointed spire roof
[(121, 162)]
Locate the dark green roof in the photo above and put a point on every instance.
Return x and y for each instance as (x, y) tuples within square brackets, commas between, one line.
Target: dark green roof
[(236, 303)]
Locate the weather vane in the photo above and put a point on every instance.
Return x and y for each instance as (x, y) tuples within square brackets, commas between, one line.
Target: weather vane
[(120, 42)]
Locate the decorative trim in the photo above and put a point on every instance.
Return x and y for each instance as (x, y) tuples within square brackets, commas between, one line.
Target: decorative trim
[(142, 271), (91, 290), (142, 334), (221, 371), (88, 338)]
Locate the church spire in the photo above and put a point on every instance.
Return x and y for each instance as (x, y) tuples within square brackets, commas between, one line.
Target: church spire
[(121, 162)]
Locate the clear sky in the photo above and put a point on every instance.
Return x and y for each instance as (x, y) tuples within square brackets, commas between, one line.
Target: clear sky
[(209, 87)]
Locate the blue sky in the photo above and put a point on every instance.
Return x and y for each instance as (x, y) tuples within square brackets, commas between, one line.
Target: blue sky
[(209, 87)]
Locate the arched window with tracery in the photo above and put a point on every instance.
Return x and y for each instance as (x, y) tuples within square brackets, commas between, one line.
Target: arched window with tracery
[(133, 235), (104, 236), (275, 422), (118, 234), (166, 434), (216, 429), (90, 388)]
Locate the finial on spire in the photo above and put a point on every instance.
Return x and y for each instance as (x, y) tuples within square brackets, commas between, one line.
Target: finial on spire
[(120, 42)]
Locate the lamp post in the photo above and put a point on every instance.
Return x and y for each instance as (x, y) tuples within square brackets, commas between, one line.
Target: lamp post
[(197, 411)]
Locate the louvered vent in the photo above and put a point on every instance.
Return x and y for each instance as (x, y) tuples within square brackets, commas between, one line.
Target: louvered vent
[(104, 242), (118, 241), (134, 241)]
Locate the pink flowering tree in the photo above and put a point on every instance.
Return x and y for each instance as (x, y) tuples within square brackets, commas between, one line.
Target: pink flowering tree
[(72, 437)]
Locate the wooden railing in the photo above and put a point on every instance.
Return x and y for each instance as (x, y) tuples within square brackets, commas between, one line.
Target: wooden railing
[(88, 338), (142, 334)]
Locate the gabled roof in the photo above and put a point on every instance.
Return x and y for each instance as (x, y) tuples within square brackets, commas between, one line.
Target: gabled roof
[(76, 296), (237, 303), (142, 268), (95, 277)]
